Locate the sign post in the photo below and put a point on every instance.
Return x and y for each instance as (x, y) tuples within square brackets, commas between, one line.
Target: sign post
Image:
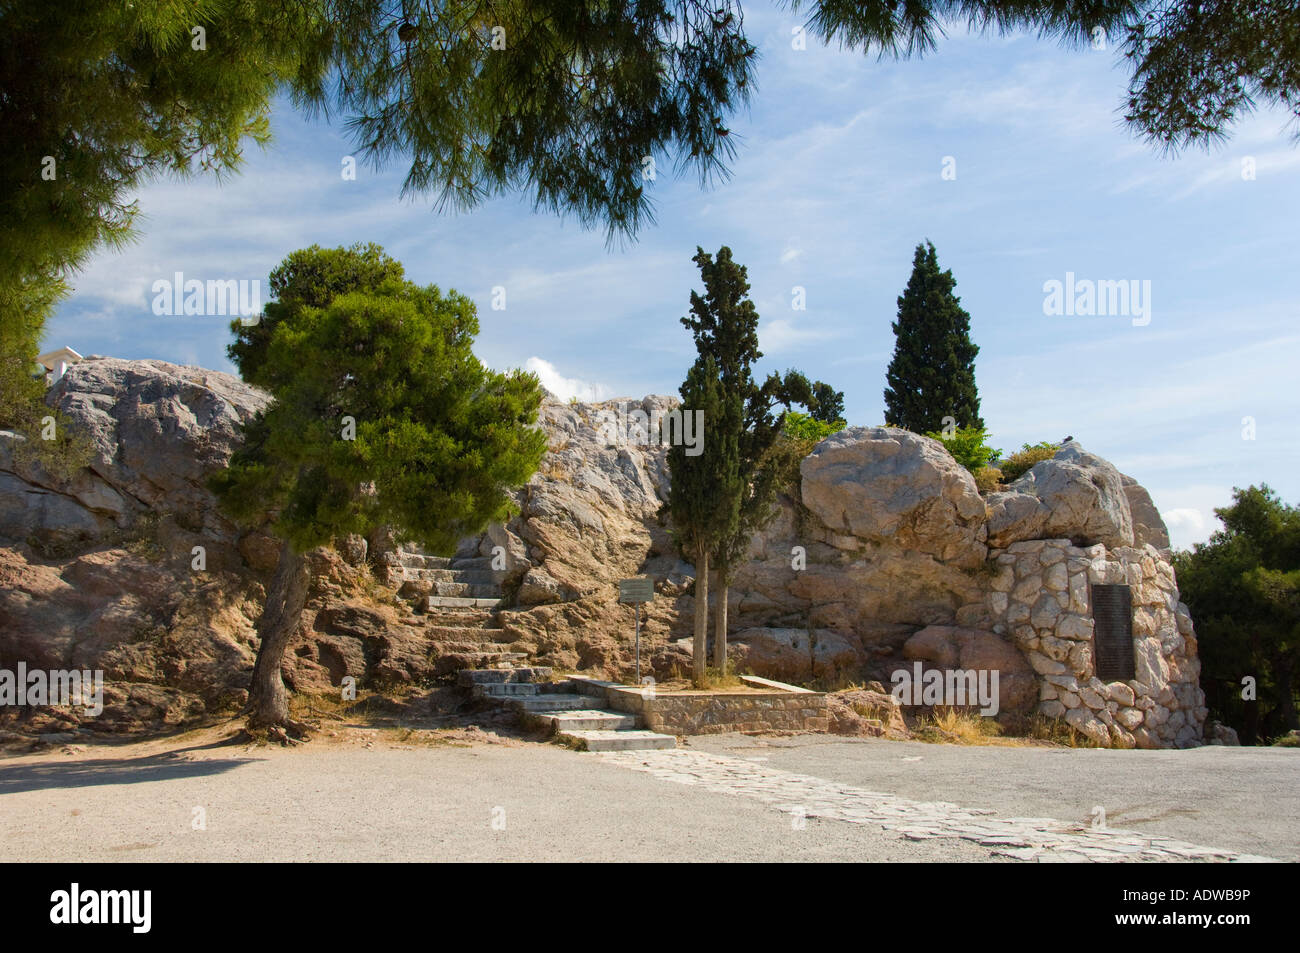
[(635, 591)]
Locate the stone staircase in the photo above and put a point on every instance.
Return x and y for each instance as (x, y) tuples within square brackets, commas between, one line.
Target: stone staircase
[(562, 709), (459, 597)]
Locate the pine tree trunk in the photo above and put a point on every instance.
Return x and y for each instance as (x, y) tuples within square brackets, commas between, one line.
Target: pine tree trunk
[(720, 629), (268, 700), (701, 618)]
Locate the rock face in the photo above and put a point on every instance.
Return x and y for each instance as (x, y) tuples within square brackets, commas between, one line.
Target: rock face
[(1075, 495), (885, 485), (100, 573), (883, 554)]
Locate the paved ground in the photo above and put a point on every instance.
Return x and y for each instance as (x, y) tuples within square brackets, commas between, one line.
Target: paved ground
[(344, 800), (1242, 799)]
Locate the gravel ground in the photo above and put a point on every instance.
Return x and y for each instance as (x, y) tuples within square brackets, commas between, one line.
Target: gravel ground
[(365, 796)]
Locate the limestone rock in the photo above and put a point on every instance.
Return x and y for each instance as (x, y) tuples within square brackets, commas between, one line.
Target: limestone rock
[(955, 647), (1148, 525), (883, 483), (792, 655), (1076, 495)]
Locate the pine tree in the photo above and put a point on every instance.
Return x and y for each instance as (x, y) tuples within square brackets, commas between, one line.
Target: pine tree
[(932, 373), (382, 416)]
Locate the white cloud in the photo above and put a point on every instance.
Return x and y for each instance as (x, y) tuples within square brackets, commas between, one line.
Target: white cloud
[(1186, 526), (782, 334), (565, 387)]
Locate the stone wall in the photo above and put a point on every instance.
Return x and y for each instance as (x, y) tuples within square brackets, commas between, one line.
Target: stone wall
[(1040, 597), (706, 713)]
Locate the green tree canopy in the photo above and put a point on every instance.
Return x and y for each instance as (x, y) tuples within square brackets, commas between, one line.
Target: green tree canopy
[(1243, 590), (382, 415), (932, 373)]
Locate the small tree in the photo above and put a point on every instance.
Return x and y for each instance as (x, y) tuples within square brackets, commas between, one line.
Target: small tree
[(724, 323), (932, 373), (703, 501), (382, 415), (1243, 590)]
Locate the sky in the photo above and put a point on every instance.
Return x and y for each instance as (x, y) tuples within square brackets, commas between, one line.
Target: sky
[(1008, 153)]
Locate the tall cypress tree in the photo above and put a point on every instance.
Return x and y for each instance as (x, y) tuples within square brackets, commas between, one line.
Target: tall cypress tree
[(704, 495), (932, 374), (724, 323)]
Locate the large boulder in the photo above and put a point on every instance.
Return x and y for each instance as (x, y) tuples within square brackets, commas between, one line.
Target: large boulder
[(796, 654), (954, 647), (1148, 525), (890, 485), (1075, 495)]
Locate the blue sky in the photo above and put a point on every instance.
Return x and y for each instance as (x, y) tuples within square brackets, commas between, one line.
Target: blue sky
[(838, 177)]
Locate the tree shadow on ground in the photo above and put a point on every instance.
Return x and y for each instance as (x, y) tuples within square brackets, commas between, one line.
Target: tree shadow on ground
[(94, 772)]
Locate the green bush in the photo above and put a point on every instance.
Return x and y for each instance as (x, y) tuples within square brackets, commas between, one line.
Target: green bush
[(804, 428), (1019, 463), (968, 446)]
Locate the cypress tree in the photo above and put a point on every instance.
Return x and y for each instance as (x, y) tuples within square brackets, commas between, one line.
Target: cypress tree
[(704, 497), (932, 373)]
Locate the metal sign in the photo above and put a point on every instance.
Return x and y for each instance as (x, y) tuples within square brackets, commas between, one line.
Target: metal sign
[(636, 591), (1112, 613), (639, 589)]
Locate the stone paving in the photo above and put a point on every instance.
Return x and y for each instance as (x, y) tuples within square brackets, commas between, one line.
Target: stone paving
[(1041, 839)]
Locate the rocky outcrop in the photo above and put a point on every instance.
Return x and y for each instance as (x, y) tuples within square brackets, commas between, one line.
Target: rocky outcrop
[(885, 485), (1076, 496), (1148, 526), (947, 647), (883, 554)]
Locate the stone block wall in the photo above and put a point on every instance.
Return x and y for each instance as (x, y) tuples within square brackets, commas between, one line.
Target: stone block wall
[(706, 713), (1040, 598)]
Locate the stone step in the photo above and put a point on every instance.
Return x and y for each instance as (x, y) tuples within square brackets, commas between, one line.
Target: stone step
[(536, 673), (556, 701), (460, 602), (581, 719), (475, 590), (459, 661), (467, 633), (505, 689), (472, 576), (472, 562), (457, 618), (416, 561), (400, 574), (471, 648), (637, 739)]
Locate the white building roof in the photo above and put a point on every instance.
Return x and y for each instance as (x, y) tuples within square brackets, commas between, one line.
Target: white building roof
[(50, 359)]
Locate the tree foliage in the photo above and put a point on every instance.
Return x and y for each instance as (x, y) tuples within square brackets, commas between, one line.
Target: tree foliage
[(381, 416), (932, 373), (969, 446), (439, 439), (1243, 590)]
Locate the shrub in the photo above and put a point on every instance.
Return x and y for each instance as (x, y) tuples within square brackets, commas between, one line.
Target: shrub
[(1020, 462), (968, 446), (987, 479), (804, 427)]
